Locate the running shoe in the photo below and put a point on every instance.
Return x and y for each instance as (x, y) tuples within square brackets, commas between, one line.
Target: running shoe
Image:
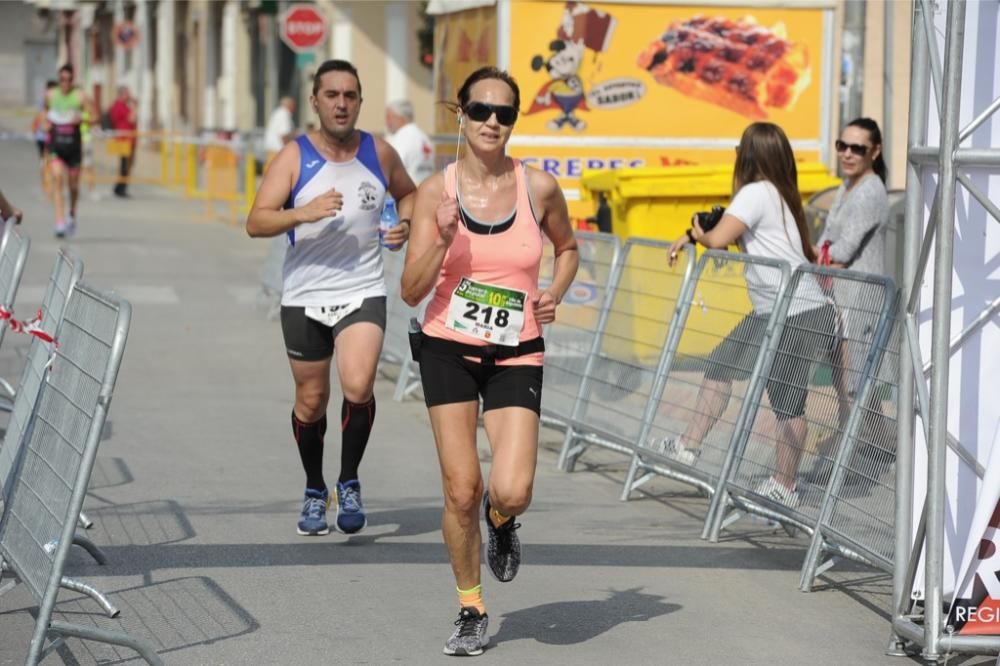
[(682, 454), (351, 517), (775, 491), (60, 229), (470, 637), (503, 548), (71, 224), (312, 520)]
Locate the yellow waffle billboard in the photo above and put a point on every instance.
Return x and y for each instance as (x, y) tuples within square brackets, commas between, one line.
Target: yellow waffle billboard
[(609, 85)]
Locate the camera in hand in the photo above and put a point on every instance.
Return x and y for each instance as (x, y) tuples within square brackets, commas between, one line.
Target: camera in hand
[(708, 220)]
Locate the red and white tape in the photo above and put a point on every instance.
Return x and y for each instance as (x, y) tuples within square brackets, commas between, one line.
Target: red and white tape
[(32, 327)]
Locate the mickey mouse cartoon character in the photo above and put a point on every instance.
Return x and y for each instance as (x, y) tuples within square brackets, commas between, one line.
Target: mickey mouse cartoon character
[(564, 89)]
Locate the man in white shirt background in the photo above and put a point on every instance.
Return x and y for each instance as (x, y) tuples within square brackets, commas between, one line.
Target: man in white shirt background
[(413, 146), (280, 128)]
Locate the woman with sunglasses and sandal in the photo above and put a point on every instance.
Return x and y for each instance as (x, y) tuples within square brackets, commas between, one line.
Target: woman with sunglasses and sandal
[(476, 242)]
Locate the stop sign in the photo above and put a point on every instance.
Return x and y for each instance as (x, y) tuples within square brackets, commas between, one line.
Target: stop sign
[(303, 28)]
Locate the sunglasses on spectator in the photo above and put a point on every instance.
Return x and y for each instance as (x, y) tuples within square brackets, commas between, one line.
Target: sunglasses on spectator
[(481, 112), (855, 148)]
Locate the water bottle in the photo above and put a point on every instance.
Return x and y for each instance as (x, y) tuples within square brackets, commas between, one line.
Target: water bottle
[(388, 220)]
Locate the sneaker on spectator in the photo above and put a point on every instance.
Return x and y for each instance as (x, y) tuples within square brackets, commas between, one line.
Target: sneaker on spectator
[(470, 637), (676, 450), (312, 520), (775, 491), (351, 517), (503, 548)]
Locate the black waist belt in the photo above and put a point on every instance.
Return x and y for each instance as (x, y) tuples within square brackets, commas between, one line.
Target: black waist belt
[(490, 354)]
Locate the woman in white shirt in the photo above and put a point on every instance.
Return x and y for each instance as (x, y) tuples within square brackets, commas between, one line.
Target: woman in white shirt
[(765, 219)]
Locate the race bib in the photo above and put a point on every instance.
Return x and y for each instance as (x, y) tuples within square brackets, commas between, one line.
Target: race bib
[(487, 312), (331, 315)]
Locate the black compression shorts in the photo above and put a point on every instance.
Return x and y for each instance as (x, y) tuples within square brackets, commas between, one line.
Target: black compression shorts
[(448, 378), (308, 340)]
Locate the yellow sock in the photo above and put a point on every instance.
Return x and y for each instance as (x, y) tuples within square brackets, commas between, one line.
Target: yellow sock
[(497, 518), (472, 598)]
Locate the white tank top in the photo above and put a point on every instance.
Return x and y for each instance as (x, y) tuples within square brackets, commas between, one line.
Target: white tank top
[(336, 260)]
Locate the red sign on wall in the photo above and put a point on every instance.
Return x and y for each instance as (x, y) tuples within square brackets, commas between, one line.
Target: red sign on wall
[(126, 35), (303, 28)]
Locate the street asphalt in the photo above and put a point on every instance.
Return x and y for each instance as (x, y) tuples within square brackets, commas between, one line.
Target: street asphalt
[(197, 488)]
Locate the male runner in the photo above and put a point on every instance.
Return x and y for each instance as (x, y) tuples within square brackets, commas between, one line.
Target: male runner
[(326, 190), (65, 106)]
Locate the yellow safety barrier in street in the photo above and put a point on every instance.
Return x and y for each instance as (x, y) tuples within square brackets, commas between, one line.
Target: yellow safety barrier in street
[(249, 182), (220, 172), (125, 157)]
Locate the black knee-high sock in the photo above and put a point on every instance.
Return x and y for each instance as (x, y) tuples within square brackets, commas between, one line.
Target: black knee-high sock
[(309, 437), (356, 425)]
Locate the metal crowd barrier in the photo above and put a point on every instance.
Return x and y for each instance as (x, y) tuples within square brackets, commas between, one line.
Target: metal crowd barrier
[(396, 347), (50, 479), (570, 340), (837, 317), (857, 518), (397, 313), (65, 274), (627, 358), (13, 256), (707, 375), (272, 280)]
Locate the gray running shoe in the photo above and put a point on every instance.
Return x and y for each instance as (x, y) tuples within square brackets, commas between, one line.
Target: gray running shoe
[(470, 637), (503, 548)]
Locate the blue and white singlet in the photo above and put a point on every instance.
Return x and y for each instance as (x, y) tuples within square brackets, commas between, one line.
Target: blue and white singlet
[(336, 260)]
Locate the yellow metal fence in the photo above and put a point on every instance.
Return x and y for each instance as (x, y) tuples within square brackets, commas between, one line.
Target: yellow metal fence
[(220, 172)]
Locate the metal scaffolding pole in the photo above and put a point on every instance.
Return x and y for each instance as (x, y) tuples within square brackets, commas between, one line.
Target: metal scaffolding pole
[(941, 329), (912, 232)]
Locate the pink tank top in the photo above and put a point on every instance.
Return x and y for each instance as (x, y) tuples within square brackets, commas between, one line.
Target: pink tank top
[(509, 258)]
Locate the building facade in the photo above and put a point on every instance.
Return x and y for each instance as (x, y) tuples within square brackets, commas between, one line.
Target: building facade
[(202, 65)]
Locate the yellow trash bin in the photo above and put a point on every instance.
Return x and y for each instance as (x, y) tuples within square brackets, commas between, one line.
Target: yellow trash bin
[(658, 203)]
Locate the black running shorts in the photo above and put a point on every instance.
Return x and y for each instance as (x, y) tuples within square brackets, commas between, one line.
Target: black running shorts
[(308, 340), (449, 378), (67, 147)]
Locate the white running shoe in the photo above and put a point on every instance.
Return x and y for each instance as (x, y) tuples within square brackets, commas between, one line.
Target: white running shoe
[(775, 491), (673, 448)]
